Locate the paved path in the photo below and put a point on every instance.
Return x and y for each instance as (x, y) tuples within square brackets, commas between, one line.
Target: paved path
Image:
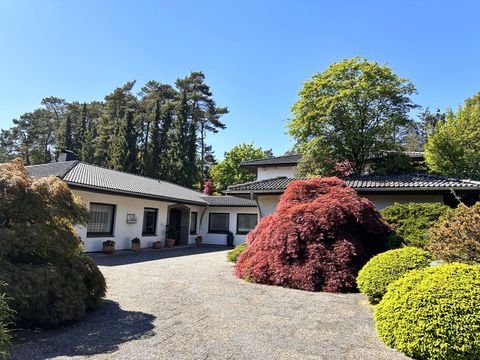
[(186, 304)]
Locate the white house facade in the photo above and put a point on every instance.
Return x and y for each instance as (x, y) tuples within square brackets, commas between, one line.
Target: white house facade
[(382, 191), (124, 206)]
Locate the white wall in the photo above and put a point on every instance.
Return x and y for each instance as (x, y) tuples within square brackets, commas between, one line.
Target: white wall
[(123, 232), (221, 239), (273, 172), (382, 201), (268, 203)]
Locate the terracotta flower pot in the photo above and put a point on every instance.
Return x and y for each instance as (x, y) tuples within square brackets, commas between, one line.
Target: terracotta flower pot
[(157, 245), (136, 246), (108, 249), (170, 243)]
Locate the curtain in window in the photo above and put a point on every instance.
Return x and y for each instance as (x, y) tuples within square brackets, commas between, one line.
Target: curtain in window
[(246, 222), (193, 223), (219, 223), (101, 218)]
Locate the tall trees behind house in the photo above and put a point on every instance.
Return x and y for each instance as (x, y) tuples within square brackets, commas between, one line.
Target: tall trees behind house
[(160, 132)]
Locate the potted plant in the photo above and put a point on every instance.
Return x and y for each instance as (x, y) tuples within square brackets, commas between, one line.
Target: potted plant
[(108, 247), (135, 244), (230, 239), (171, 236), (157, 244), (198, 240)]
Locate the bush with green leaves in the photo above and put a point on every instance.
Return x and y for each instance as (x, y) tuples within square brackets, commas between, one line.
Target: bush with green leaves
[(433, 313), (233, 255), (48, 278), (412, 221), (457, 237), (387, 267), (5, 317)]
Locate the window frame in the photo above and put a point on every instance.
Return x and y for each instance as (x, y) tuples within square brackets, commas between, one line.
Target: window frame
[(210, 231), (112, 224), (145, 210), (195, 225), (246, 232)]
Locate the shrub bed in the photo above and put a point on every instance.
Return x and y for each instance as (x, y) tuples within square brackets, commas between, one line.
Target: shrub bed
[(48, 278), (233, 255), (433, 313), (412, 221), (5, 316), (320, 235), (387, 267), (457, 237)]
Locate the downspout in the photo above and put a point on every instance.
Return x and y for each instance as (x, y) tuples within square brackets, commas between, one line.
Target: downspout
[(252, 197), (201, 217)]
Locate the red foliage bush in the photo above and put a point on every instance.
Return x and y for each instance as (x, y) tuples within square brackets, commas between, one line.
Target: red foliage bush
[(320, 236)]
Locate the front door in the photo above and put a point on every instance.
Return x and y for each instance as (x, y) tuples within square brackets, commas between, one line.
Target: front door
[(174, 224)]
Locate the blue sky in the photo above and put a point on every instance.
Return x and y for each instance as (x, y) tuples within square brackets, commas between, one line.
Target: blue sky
[(255, 54)]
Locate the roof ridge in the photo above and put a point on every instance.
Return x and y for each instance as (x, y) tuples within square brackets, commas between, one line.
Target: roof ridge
[(51, 163), (76, 162), (140, 176)]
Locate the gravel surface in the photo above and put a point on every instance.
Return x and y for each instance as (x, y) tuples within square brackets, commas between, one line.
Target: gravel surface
[(186, 304)]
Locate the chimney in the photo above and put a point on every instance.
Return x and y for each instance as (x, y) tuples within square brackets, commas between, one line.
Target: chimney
[(66, 155)]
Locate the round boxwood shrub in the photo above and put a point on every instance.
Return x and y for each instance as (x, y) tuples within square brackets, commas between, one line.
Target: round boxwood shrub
[(233, 255), (457, 237), (387, 267), (412, 221), (433, 313), (318, 238)]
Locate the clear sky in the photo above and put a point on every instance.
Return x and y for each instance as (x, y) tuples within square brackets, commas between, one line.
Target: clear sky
[(255, 53)]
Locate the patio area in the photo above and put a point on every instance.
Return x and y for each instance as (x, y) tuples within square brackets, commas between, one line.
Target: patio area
[(186, 304)]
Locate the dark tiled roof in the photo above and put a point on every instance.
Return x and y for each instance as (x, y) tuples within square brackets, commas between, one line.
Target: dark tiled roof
[(76, 173), (91, 176), (389, 182), (273, 161), (229, 201), (55, 169)]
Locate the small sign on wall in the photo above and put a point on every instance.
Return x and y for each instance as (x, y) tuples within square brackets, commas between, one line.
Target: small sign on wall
[(131, 219)]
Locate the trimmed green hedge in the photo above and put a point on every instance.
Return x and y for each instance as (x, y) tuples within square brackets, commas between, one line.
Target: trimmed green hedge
[(412, 221), (233, 255), (433, 313), (5, 317), (387, 267)]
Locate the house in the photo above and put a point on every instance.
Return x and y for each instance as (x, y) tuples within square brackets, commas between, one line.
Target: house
[(274, 174), (123, 206)]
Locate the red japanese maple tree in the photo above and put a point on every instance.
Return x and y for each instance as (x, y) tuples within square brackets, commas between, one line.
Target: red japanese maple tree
[(319, 237)]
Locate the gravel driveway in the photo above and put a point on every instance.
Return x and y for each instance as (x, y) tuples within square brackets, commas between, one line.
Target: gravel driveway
[(186, 304)]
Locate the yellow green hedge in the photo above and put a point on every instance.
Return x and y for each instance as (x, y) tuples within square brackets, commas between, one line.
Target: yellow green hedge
[(433, 313)]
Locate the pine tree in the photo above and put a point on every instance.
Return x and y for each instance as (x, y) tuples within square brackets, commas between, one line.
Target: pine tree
[(124, 146), (117, 104)]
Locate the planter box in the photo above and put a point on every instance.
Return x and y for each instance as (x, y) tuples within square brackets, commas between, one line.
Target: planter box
[(136, 247), (170, 243), (157, 245), (108, 249)]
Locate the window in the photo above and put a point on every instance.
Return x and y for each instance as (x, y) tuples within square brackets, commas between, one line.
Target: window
[(245, 223), (193, 223), (101, 217), (149, 221), (218, 223)]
